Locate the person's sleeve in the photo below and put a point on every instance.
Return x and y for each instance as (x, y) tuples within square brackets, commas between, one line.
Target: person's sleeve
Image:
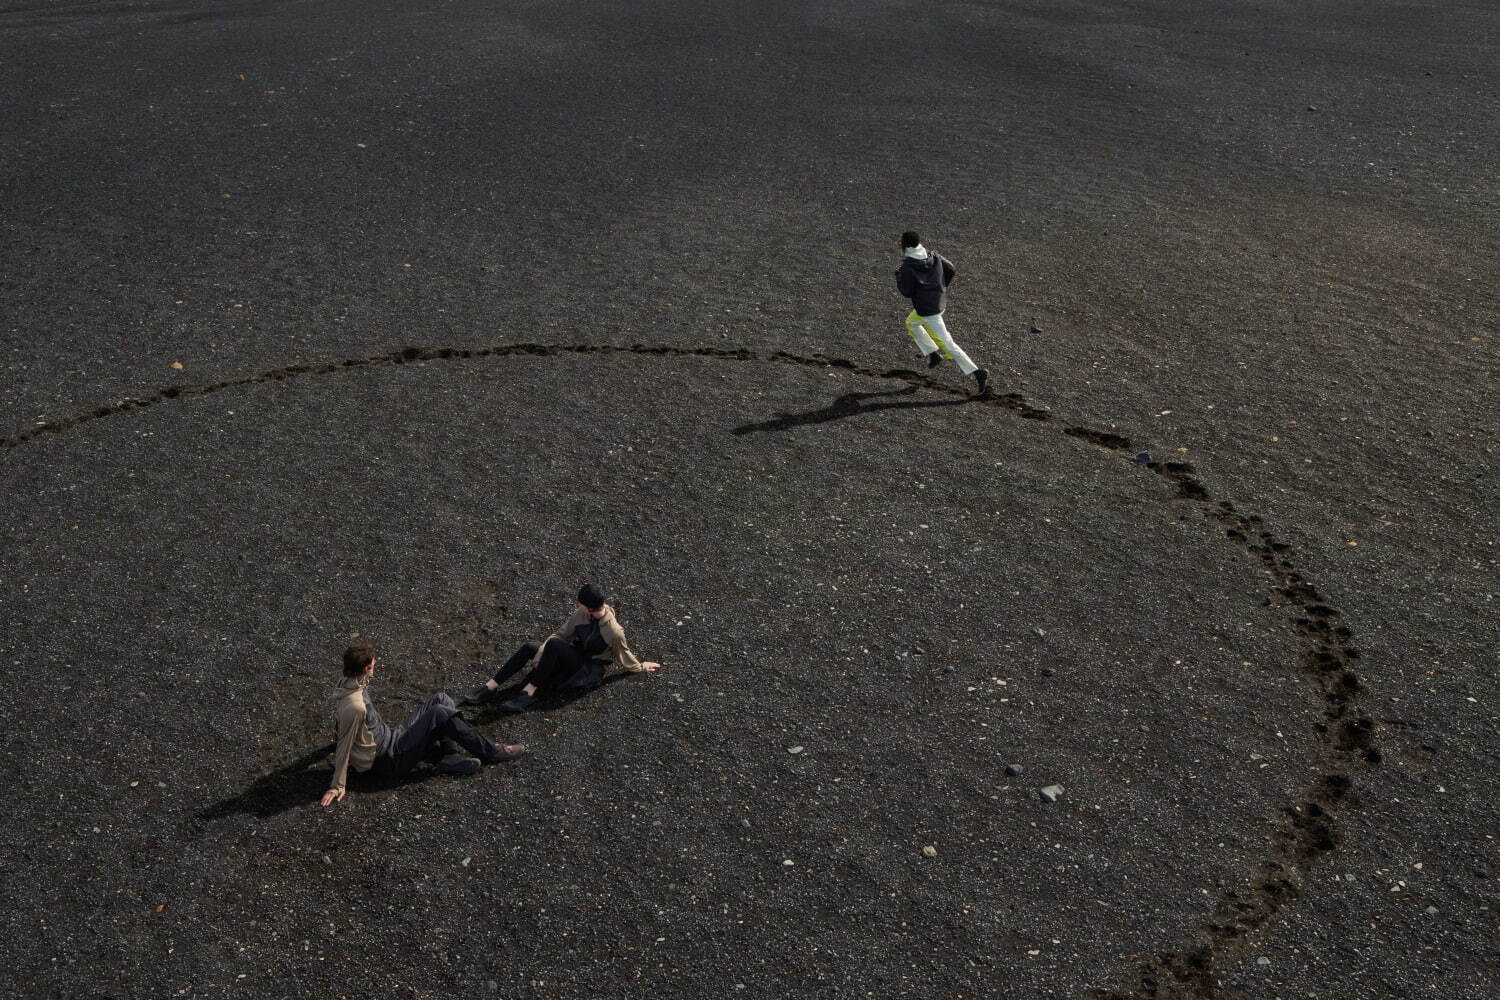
[(620, 650), (949, 272), (904, 283), (348, 731)]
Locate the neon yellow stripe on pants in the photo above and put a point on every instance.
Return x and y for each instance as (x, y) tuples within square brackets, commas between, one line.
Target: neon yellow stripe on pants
[(913, 321)]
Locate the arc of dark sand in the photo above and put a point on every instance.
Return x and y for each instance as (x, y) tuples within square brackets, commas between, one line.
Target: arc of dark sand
[(1304, 832)]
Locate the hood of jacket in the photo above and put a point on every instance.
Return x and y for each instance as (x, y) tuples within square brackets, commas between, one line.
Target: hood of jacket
[(927, 272), (349, 688)]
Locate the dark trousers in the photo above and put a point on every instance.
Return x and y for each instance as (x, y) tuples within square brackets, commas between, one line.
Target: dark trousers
[(434, 730), (561, 666)]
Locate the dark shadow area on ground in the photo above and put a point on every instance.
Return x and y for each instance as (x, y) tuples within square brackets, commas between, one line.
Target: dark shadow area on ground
[(848, 405), (301, 783), (294, 784), (546, 701)]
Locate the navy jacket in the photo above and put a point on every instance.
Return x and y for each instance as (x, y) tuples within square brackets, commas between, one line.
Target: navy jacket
[(925, 282)]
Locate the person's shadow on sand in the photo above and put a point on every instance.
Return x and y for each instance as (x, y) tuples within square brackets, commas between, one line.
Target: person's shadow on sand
[(850, 404), (300, 783), (287, 787), (546, 701)]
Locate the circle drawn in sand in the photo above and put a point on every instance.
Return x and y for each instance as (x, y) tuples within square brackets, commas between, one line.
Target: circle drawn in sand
[(903, 558)]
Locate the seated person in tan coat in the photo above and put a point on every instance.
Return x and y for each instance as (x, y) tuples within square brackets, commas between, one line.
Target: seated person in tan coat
[(435, 732), (573, 657)]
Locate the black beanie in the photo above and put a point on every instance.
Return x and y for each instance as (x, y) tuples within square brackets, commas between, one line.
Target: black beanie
[(591, 596)]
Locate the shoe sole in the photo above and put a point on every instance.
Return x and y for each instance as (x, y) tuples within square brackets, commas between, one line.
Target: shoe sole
[(460, 771)]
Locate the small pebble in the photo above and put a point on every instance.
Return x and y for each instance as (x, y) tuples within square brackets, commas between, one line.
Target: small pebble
[(1263, 960), (465, 862), (947, 670), (1041, 633), (930, 851), (1141, 457), (1052, 793), (1432, 911), (789, 862), (1014, 770), (794, 749)]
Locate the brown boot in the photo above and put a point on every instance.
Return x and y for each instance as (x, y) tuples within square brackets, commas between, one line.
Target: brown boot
[(506, 752)]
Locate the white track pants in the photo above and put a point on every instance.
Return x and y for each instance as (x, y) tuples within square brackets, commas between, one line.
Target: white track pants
[(931, 333)]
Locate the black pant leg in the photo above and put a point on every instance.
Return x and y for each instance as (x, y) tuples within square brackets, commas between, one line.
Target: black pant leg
[(444, 747), (559, 662), (458, 730), (517, 660), (413, 740)]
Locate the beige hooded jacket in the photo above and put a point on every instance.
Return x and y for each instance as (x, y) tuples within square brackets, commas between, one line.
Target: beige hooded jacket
[(619, 650), (354, 744)]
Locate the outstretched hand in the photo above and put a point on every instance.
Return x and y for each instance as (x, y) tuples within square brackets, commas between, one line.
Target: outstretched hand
[(333, 795), (650, 666)]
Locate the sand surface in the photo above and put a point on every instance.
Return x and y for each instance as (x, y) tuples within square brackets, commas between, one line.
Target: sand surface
[(399, 321)]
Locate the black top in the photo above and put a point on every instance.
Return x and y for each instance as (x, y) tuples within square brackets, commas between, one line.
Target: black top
[(925, 282), (588, 640)]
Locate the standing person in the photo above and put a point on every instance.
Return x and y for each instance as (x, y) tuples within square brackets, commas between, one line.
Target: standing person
[(575, 656), (924, 278), (363, 742)]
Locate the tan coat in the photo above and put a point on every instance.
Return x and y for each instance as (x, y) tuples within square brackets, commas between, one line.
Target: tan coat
[(354, 744), (619, 650)]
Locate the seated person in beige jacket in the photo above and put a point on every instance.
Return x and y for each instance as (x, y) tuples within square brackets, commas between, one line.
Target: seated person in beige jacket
[(435, 732), (574, 657)]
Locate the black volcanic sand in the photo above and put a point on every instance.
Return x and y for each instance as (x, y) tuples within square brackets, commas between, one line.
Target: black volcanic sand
[(648, 838), (1258, 241)]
